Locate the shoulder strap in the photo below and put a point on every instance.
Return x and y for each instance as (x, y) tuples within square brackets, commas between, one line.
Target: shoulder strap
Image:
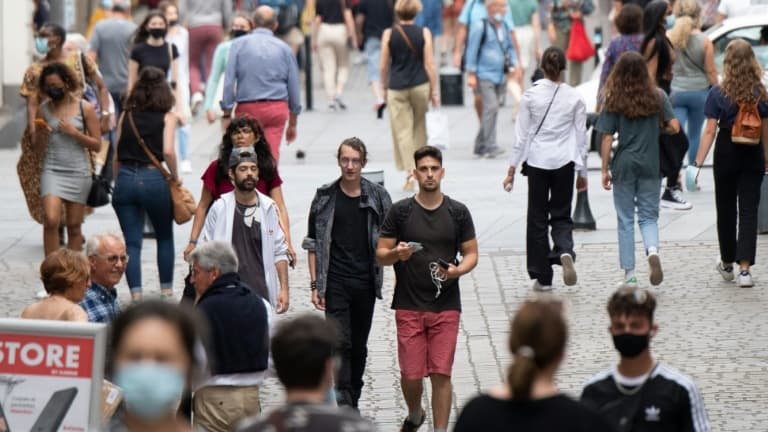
[(87, 152), (81, 62), (407, 39), (170, 55), (547, 111), (698, 66), (458, 221), (146, 149)]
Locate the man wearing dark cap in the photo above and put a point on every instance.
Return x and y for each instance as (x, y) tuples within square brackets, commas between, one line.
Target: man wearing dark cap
[(248, 220)]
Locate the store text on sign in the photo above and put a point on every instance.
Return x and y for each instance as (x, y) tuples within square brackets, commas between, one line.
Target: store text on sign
[(45, 355)]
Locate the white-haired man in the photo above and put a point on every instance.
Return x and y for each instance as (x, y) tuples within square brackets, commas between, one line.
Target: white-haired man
[(107, 256)]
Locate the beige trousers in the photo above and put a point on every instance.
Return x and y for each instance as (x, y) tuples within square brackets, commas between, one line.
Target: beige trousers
[(218, 408), (407, 119), (334, 57)]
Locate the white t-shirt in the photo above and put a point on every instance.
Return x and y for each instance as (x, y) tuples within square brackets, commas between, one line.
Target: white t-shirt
[(737, 8)]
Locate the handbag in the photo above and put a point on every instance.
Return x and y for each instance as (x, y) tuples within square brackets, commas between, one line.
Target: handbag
[(98, 196), (579, 47), (184, 205)]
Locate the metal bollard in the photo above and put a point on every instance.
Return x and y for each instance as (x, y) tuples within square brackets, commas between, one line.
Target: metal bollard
[(308, 71), (582, 214)]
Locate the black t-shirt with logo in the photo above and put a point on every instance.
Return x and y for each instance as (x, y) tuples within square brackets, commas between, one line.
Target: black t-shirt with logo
[(436, 231), (557, 414), (350, 243), (246, 240), (668, 401)]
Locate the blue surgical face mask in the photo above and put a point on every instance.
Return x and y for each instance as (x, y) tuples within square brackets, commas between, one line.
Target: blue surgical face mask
[(670, 21), (41, 45), (498, 17), (150, 390), (107, 4)]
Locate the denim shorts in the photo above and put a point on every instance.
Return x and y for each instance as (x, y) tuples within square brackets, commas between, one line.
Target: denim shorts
[(373, 53)]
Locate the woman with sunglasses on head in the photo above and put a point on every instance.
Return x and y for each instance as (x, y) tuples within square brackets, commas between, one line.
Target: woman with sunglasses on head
[(67, 132), (241, 132), (140, 187), (530, 399)]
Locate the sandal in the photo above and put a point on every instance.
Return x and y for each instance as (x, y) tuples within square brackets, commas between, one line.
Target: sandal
[(409, 426)]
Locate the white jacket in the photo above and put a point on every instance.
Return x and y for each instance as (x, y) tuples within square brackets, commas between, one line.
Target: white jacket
[(218, 227)]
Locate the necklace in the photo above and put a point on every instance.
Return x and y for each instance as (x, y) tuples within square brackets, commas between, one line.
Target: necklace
[(631, 391)]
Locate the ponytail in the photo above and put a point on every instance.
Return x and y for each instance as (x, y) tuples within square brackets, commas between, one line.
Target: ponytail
[(679, 34), (521, 373)]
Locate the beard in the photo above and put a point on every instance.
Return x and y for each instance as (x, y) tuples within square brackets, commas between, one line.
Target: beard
[(248, 184)]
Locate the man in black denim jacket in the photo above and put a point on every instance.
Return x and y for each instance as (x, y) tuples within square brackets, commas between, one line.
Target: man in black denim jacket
[(344, 222)]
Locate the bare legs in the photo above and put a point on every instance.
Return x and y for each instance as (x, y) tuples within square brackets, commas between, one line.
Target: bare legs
[(442, 393)]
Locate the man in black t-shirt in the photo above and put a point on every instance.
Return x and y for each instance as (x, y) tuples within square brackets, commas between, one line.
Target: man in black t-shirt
[(423, 237), (344, 222), (641, 394)]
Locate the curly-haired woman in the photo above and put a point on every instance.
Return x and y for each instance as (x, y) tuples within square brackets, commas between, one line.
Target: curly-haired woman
[(739, 169), (634, 108), (241, 132)]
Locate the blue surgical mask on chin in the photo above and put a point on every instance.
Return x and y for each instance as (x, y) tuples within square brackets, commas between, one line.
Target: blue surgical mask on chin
[(150, 390), (670, 21), (498, 17), (41, 45)]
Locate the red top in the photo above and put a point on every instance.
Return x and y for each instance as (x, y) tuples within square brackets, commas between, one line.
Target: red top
[(219, 187)]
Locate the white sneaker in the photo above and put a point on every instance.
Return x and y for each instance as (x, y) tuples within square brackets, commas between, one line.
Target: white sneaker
[(630, 283), (727, 273), (745, 280), (654, 263), (569, 271), (185, 166), (541, 288), (196, 102)]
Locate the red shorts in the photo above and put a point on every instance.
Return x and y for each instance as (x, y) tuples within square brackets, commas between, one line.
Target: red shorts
[(426, 342)]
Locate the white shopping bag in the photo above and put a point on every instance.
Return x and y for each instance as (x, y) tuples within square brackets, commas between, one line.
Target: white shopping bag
[(438, 134)]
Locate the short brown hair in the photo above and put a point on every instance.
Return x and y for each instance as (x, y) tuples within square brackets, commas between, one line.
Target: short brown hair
[(630, 19), (632, 301), (355, 144), (62, 269), (407, 10)]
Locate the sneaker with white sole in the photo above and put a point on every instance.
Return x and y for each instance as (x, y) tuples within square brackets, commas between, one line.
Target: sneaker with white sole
[(538, 287), (630, 283), (569, 271), (185, 166), (654, 264), (673, 199), (745, 280), (196, 102), (726, 272)]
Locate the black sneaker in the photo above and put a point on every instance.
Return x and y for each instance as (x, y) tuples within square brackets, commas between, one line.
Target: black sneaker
[(673, 199), (409, 426)]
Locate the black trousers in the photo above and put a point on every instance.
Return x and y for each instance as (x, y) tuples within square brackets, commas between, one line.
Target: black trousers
[(350, 303), (739, 172), (550, 193)]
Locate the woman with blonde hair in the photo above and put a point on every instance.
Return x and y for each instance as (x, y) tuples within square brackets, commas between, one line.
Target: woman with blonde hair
[(738, 168), (409, 78), (693, 72), (528, 399), (66, 277)]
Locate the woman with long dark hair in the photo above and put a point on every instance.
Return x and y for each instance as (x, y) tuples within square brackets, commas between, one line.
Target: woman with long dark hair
[(634, 107), (738, 168), (140, 187), (67, 132), (660, 56), (241, 132), (530, 399), (552, 145)]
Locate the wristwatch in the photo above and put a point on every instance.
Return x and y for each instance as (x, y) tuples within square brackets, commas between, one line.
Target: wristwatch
[(695, 164)]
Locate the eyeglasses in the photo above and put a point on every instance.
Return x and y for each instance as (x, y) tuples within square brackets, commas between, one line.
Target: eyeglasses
[(346, 161), (113, 259)]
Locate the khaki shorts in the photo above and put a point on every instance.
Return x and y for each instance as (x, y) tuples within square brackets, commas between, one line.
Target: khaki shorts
[(219, 408), (293, 38)]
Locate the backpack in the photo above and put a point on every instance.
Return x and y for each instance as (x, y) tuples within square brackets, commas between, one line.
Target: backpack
[(747, 127), (457, 216)]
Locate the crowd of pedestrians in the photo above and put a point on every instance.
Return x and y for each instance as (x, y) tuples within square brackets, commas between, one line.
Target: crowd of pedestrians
[(119, 109)]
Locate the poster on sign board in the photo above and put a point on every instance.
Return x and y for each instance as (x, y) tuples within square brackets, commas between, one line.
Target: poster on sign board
[(50, 375)]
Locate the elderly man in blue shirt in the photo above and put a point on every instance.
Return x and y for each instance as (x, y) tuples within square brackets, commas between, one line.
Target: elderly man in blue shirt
[(107, 257), (490, 57), (262, 78)]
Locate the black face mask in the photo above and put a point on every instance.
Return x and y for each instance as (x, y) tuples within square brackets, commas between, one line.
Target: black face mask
[(238, 33), (631, 345), (157, 33), (55, 93), (173, 23)]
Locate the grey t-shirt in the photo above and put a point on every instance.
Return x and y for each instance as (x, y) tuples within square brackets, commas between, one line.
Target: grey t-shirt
[(246, 240), (637, 155), (111, 41)]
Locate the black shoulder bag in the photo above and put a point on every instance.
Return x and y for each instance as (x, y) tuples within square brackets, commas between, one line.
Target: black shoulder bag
[(100, 187)]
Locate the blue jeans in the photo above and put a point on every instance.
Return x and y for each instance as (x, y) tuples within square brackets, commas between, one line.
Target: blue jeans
[(689, 110), (139, 191), (642, 193), (373, 53), (182, 137)]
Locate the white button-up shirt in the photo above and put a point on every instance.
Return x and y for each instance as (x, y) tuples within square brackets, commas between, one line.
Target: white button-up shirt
[(562, 138)]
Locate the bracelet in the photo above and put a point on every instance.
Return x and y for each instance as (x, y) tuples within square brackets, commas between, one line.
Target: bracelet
[(226, 116), (194, 242), (313, 285)]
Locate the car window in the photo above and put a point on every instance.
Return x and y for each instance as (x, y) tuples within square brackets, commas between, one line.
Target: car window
[(757, 36)]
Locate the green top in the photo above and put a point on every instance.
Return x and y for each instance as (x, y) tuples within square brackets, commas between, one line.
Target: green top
[(637, 155), (522, 10), (220, 57)]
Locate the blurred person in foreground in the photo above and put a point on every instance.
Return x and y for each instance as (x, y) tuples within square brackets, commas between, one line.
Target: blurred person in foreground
[(304, 354), (65, 276), (530, 398), (107, 257), (641, 394), (152, 355)]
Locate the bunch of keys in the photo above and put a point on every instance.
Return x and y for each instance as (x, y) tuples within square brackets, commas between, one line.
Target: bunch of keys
[(416, 246)]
